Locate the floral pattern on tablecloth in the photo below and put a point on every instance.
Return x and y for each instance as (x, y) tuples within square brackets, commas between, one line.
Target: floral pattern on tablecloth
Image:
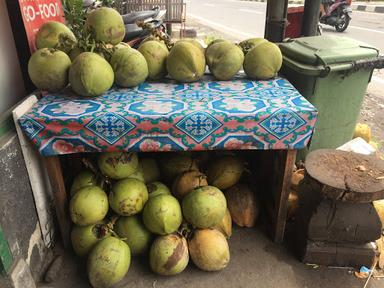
[(171, 116)]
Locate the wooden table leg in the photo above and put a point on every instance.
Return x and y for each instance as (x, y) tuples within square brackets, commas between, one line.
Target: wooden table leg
[(283, 167), (61, 200)]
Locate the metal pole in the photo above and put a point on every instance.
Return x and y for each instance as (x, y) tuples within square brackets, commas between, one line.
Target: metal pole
[(276, 20), (311, 17)]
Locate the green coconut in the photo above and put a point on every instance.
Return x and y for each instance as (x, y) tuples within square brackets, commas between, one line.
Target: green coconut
[(263, 61), (108, 262), (138, 174), (186, 182), (224, 60), (128, 196), (122, 45), (129, 66), (155, 53), (209, 250), (193, 42), (76, 51), (186, 62), (154, 38), (118, 165), (225, 171), (225, 225), (248, 44), (204, 207), (150, 170), (169, 255), (134, 233), (107, 25), (83, 179), (84, 238), (55, 35), (48, 69), (216, 41), (162, 214), (157, 188), (174, 164), (90, 75), (88, 206)]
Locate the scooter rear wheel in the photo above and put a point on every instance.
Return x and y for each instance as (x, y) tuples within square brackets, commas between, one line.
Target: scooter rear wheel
[(319, 30), (344, 23)]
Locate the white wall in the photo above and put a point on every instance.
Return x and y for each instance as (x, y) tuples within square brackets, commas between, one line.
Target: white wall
[(11, 82)]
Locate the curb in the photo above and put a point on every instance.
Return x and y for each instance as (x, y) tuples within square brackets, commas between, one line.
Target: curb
[(368, 8), (289, 2), (355, 7)]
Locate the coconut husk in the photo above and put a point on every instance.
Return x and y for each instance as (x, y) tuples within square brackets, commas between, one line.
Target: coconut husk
[(297, 177), (293, 204), (242, 204)]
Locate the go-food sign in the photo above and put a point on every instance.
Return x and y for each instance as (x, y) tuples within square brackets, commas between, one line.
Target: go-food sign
[(37, 12), (42, 11)]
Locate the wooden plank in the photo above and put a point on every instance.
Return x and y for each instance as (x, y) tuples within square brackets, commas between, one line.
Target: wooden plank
[(273, 172), (283, 168), (61, 200), (38, 177)]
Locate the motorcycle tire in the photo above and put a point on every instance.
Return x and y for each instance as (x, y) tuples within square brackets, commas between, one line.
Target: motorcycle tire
[(344, 25), (319, 30)]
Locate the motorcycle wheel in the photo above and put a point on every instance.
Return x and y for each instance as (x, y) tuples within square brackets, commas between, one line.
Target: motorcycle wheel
[(343, 25), (319, 30)]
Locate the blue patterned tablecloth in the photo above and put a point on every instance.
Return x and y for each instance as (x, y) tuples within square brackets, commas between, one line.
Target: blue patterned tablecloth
[(170, 116)]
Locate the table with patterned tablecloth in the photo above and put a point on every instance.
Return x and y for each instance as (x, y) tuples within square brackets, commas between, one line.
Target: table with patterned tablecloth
[(169, 116)]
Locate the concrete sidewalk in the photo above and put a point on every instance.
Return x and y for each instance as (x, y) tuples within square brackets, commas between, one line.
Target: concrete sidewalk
[(255, 262), (377, 7)]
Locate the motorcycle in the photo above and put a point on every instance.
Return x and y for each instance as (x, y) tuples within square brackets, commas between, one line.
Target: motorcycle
[(150, 20), (338, 14)]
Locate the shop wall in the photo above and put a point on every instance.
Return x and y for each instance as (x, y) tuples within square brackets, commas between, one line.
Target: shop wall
[(11, 80), (18, 218)]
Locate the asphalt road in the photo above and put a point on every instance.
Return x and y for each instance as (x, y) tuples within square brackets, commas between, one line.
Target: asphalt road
[(244, 19)]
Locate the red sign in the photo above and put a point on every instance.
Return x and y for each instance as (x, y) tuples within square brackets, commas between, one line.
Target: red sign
[(36, 12)]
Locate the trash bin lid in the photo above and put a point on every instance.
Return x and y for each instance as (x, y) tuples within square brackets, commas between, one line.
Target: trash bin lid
[(326, 50)]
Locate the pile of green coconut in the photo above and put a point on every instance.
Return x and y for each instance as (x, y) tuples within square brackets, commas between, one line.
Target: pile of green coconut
[(170, 209), (60, 59)]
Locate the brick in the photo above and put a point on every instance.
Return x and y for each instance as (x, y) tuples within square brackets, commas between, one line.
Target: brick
[(340, 255), (336, 221)]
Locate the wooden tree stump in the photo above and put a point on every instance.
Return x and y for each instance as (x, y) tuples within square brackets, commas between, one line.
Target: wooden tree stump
[(346, 176)]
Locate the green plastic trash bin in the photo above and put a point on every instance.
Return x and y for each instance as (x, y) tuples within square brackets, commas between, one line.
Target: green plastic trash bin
[(324, 70)]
